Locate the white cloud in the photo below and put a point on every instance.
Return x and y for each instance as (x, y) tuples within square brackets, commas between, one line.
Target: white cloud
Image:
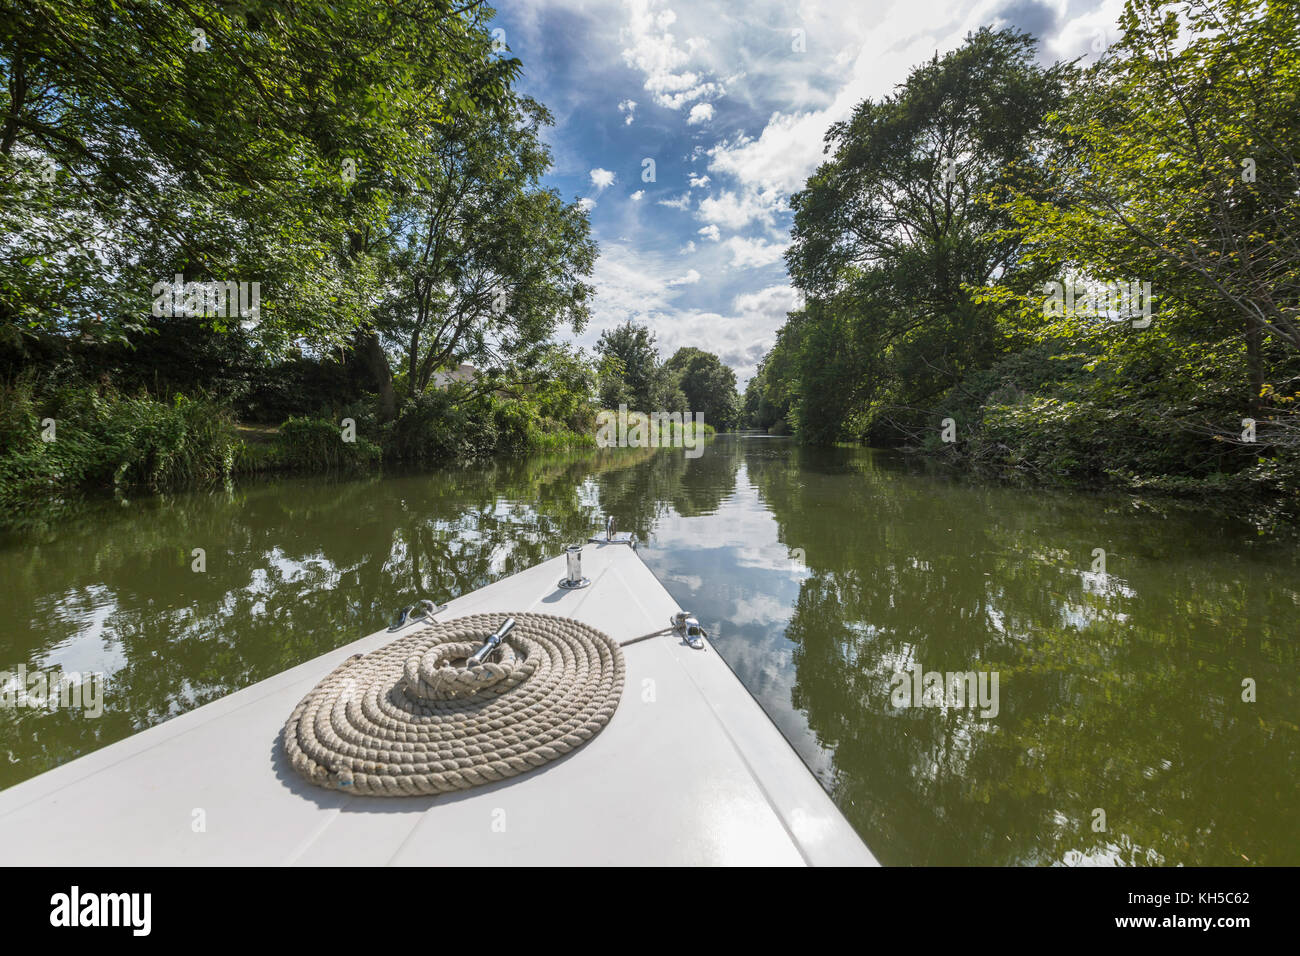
[(771, 300), (602, 179), (643, 288), (1087, 34), (700, 113), (779, 105), (759, 315), (587, 204), (650, 47), (754, 253), (856, 57), (781, 158), (737, 209), (627, 285)]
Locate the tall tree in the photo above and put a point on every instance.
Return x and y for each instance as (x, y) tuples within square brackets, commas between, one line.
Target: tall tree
[(897, 224), (256, 141), (635, 363), (1178, 165), (487, 263), (708, 385)]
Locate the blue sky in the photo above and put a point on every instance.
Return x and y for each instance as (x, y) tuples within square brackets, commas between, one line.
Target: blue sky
[(731, 102)]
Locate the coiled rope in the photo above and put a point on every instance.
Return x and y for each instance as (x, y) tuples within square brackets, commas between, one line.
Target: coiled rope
[(410, 718)]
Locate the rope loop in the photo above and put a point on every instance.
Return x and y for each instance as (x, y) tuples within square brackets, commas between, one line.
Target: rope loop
[(410, 718)]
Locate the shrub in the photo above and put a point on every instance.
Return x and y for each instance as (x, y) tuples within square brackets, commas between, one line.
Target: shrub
[(314, 444), (447, 425), (434, 427), (106, 440)]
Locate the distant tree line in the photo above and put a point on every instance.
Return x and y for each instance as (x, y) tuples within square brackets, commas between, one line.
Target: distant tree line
[(690, 381)]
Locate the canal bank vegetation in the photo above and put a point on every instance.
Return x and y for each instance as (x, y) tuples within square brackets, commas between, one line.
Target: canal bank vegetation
[(368, 179), (62, 441), (951, 249)]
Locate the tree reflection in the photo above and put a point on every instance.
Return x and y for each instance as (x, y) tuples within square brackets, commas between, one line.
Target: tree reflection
[(1119, 690)]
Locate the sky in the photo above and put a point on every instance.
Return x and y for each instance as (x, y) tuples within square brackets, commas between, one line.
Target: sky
[(685, 127)]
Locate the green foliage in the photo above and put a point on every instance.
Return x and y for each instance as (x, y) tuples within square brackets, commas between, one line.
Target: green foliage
[(1175, 162), (894, 232), (312, 444), (111, 441), (691, 381), (768, 394), (560, 383), (456, 425), (173, 153), (709, 386), (490, 262), (669, 431), (435, 427), (106, 440), (926, 292), (368, 162), (633, 372)]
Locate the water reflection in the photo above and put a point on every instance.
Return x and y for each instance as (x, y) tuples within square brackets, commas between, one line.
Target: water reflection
[(819, 574), (1120, 689)]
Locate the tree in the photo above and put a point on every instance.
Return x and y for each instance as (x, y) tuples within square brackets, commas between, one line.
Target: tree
[(1177, 164), (640, 381), (896, 225), (756, 409), (709, 386), (251, 141), (488, 263)]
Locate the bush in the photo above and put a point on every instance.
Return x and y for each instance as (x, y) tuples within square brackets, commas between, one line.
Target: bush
[(106, 440), (445, 425), (313, 444), (433, 428), (1148, 421)]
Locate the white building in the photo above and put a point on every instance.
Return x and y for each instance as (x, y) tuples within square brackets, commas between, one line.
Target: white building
[(462, 373)]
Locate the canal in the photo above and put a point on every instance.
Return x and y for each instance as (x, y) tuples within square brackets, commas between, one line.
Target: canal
[(1143, 654)]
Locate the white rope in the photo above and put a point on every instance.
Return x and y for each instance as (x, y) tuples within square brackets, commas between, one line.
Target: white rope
[(410, 718)]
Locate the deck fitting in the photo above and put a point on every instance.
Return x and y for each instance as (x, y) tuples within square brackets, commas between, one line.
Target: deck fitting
[(575, 580)]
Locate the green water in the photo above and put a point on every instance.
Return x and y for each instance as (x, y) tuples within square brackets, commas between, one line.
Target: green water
[(819, 576)]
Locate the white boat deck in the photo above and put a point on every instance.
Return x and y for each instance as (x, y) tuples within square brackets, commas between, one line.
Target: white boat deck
[(689, 771)]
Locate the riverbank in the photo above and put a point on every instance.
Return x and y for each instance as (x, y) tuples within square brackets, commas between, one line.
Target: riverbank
[(1059, 316), (64, 448), (62, 444), (1018, 450)]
